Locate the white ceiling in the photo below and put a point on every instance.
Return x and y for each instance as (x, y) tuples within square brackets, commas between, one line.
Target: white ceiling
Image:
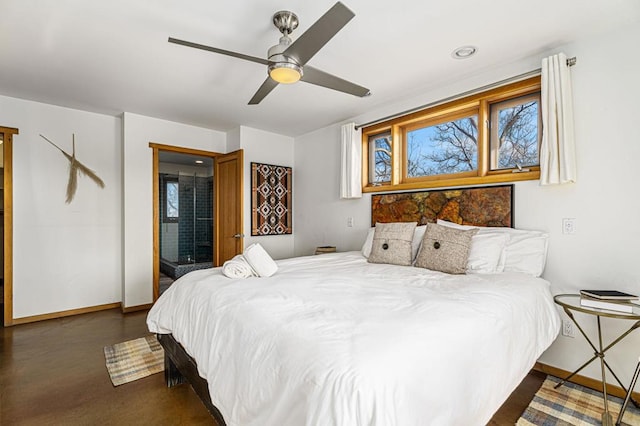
[(112, 56)]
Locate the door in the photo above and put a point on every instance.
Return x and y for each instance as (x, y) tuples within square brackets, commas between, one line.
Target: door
[(228, 206)]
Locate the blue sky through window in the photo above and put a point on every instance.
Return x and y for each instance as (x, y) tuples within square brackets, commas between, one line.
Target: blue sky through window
[(444, 148)]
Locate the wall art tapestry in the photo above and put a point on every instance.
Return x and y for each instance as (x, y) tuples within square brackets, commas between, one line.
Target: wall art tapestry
[(271, 202), (485, 206)]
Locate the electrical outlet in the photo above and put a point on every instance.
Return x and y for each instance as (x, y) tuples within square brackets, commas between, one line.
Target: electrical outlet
[(567, 328), (350, 222), (569, 226)]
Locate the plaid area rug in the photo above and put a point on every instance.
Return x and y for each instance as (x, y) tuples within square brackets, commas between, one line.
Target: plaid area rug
[(573, 404), (134, 359)]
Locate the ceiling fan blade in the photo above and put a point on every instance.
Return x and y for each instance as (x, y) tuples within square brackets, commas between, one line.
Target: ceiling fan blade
[(324, 79), (221, 51), (266, 88), (309, 43)]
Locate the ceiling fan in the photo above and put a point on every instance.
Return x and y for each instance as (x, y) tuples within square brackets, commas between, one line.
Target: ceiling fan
[(287, 61)]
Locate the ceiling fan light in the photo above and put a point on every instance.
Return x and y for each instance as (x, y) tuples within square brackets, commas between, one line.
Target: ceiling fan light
[(285, 72)]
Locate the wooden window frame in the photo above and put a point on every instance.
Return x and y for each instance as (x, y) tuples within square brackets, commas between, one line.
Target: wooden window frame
[(479, 104)]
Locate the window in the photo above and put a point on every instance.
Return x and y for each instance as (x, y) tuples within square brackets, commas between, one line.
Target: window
[(380, 158), (445, 148), (514, 132), (172, 200), (489, 137)]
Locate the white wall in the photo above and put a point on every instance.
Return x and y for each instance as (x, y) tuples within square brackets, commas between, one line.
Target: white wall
[(138, 131), (66, 256), (320, 214), (603, 252), (268, 148)]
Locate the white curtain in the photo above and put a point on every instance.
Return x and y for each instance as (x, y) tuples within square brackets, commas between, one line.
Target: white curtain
[(351, 162), (557, 152)]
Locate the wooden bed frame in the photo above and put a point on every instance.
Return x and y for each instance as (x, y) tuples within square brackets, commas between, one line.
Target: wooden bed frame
[(180, 368), (481, 206)]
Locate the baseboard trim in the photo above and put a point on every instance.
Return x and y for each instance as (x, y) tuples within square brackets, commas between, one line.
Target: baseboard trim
[(587, 382), (137, 308), (62, 314)]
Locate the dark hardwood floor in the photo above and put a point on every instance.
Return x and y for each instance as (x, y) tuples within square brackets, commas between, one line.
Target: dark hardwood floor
[(53, 373), (513, 407)]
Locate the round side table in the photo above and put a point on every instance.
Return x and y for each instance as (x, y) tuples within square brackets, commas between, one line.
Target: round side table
[(571, 304)]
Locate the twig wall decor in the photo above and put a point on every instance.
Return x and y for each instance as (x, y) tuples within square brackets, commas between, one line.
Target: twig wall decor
[(75, 168)]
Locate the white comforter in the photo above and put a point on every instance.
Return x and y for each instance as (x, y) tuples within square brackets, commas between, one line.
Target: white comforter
[(334, 340)]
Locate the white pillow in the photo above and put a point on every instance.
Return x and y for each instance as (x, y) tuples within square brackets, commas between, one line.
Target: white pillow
[(418, 233), (525, 251), (487, 253), (368, 242)]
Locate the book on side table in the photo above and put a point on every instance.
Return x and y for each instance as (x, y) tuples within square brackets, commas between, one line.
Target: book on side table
[(609, 295), (611, 300)]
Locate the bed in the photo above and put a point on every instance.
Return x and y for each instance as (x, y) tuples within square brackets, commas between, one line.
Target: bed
[(334, 339)]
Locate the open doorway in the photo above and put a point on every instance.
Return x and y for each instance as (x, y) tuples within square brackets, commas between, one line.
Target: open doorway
[(185, 214), (197, 211)]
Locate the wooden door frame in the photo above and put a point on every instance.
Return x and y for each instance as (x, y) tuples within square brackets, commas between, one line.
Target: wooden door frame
[(156, 147), (7, 150)]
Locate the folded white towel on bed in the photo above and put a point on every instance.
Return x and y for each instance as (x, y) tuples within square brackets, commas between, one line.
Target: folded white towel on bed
[(259, 260), (237, 267)]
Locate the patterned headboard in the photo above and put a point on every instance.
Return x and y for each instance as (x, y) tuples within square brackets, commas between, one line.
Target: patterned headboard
[(481, 206)]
